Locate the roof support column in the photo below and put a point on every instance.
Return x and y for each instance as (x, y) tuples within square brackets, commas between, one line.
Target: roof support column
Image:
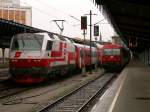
[(148, 56), (3, 55)]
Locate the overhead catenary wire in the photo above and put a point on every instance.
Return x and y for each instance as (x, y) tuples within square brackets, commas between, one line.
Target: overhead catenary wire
[(53, 16), (99, 21), (48, 14), (48, 6)]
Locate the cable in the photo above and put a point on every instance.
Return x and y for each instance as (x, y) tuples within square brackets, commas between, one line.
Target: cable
[(41, 11), (74, 18), (48, 5), (73, 25), (58, 10), (99, 21)]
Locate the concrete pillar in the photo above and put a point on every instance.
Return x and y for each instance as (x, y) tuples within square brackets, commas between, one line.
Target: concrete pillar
[(149, 56), (3, 55), (144, 56)]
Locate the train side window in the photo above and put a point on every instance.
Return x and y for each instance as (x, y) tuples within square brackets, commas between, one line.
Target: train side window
[(49, 45)]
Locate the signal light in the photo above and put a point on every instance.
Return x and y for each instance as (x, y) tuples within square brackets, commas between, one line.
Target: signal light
[(96, 30), (83, 22)]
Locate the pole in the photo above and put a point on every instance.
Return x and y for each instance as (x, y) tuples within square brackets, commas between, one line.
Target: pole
[(90, 36), (83, 69), (3, 53)]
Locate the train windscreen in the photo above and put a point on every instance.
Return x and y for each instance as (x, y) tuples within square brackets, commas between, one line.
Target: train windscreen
[(111, 52), (27, 42)]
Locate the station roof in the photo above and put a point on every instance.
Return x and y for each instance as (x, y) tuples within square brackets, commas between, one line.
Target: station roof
[(131, 19), (9, 28)]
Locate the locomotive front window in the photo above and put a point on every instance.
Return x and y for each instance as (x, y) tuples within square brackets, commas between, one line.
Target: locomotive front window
[(111, 52), (116, 51), (107, 52), (27, 42)]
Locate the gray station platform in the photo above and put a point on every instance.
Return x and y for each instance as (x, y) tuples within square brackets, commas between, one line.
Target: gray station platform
[(129, 93)]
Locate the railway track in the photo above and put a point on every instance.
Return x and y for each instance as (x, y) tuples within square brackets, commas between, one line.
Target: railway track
[(77, 100), (7, 89), (3, 71), (4, 74), (7, 92)]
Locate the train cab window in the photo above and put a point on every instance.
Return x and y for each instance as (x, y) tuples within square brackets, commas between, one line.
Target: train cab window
[(111, 51), (27, 41), (107, 52), (116, 51), (49, 45)]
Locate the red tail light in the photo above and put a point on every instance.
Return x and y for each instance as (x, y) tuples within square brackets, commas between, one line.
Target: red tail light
[(111, 58), (17, 54)]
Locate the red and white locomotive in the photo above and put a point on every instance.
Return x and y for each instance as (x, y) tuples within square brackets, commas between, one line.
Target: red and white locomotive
[(35, 57)]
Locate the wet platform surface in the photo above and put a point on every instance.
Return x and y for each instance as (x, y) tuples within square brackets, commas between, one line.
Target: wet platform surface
[(130, 93)]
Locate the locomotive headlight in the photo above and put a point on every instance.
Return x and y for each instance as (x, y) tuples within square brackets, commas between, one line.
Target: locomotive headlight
[(14, 60), (37, 60)]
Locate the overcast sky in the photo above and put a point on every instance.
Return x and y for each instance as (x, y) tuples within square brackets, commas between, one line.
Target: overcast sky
[(44, 11)]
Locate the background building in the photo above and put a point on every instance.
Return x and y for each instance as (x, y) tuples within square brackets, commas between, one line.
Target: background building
[(21, 15), (10, 3), (11, 10)]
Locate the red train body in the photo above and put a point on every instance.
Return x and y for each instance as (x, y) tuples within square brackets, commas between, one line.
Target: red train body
[(114, 57)]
